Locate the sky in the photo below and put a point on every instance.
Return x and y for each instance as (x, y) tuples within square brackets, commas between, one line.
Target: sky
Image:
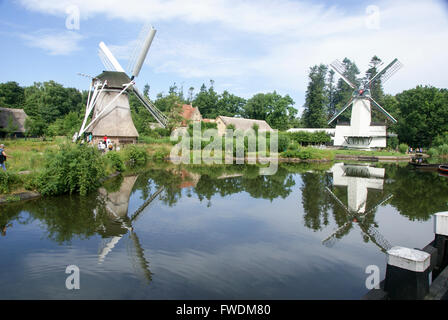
[(246, 47)]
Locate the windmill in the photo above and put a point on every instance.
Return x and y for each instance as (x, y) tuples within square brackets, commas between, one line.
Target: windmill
[(108, 99), (117, 204), (358, 179), (361, 133)]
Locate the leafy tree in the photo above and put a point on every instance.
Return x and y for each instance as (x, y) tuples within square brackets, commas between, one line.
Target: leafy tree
[(331, 94), (12, 95), (276, 110), (376, 88), (314, 115), (230, 105), (207, 101), (423, 115), (343, 90)]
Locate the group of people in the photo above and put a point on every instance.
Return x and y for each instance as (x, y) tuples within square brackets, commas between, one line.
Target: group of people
[(3, 157), (415, 150), (105, 145)]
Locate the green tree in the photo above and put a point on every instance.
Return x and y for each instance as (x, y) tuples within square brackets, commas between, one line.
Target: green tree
[(423, 115), (276, 110), (344, 91), (331, 94), (207, 101), (12, 95), (229, 105), (314, 115)]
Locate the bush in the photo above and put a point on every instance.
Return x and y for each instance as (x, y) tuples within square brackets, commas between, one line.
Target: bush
[(433, 152), (159, 155), (443, 149), (115, 161), (283, 142), (318, 137), (7, 179), (291, 154), (403, 148), (135, 156), (72, 168), (392, 143)]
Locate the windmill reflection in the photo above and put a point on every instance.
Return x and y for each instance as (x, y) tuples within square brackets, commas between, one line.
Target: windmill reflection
[(358, 179), (121, 222)]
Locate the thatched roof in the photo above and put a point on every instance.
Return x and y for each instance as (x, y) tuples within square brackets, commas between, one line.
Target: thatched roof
[(115, 79), (245, 124), (18, 117)]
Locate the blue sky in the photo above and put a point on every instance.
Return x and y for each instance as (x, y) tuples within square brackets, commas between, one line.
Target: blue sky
[(247, 47)]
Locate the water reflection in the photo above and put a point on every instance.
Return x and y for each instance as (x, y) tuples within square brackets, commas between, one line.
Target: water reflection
[(230, 228), (358, 180)]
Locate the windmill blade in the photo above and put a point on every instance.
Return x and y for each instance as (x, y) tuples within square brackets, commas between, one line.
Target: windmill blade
[(137, 212), (339, 67), (342, 110), (374, 208), (332, 238), (139, 44), (144, 51), (109, 59), (156, 113), (387, 114), (387, 72), (144, 265)]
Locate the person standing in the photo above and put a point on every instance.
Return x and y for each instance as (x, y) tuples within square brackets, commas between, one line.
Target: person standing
[(3, 156)]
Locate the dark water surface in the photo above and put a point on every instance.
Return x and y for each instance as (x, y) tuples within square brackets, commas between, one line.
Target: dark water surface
[(220, 233)]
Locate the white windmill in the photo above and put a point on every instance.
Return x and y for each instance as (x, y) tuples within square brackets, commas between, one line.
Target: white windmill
[(361, 133), (108, 98), (358, 179)]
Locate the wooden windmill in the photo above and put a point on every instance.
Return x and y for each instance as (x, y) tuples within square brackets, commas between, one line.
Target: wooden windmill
[(108, 99), (361, 133)]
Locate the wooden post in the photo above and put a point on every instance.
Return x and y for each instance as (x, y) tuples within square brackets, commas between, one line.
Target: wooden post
[(407, 274)]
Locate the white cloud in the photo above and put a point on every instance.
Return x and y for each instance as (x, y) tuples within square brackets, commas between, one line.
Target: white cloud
[(60, 43), (287, 36)]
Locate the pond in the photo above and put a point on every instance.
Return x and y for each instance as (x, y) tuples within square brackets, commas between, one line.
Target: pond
[(225, 232)]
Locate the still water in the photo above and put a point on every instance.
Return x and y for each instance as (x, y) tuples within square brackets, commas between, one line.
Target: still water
[(306, 232)]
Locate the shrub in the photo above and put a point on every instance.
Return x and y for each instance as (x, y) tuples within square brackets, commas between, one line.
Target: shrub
[(115, 161), (291, 154), (403, 147), (443, 149), (160, 155), (318, 137), (392, 142), (283, 142), (433, 152), (135, 156), (72, 168), (7, 179)]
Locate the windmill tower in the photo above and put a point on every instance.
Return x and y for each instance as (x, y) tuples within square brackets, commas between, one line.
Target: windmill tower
[(108, 99), (361, 133)]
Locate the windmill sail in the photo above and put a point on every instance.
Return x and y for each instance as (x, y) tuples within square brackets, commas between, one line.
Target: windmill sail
[(145, 48), (109, 58), (156, 113), (387, 72), (340, 69), (342, 110), (387, 114)]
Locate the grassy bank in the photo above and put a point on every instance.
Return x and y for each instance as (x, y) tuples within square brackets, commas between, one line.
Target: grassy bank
[(57, 166)]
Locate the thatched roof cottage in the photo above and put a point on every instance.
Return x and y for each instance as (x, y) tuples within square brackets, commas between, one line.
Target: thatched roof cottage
[(12, 119), (240, 124)]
